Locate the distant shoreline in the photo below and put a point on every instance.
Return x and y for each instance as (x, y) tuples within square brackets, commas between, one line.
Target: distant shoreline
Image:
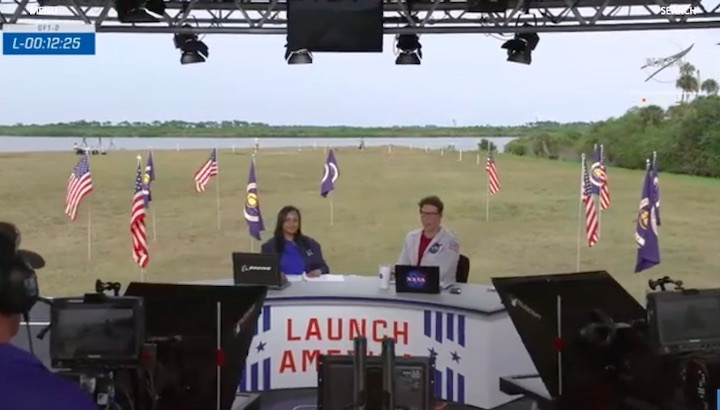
[(239, 129), (320, 137)]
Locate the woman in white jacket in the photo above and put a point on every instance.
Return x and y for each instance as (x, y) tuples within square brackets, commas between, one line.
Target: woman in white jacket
[(432, 245)]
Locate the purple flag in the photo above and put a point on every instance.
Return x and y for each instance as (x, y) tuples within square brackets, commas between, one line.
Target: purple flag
[(253, 217), (330, 174), (646, 235), (597, 171), (656, 185), (147, 178)]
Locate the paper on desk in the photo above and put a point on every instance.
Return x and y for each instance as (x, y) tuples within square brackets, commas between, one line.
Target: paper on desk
[(324, 278), (294, 278)]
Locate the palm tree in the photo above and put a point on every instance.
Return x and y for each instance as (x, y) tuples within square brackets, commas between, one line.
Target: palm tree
[(651, 115), (710, 87), (687, 82)]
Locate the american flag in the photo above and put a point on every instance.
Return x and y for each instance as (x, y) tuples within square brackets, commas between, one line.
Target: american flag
[(137, 222), (207, 171), (492, 175), (586, 195), (79, 184)]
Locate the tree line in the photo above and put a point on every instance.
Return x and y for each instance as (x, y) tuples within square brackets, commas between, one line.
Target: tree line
[(686, 136), (245, 129)]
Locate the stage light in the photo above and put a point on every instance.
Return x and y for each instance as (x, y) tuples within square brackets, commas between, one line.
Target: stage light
[(193, 50), (520, 48), (302, 56), (409, 48), (136, 11)]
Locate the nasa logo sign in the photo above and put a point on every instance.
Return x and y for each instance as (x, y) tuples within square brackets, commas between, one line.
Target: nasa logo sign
[(416, 280)]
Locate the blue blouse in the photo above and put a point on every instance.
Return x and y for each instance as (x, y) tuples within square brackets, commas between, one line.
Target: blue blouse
[(291, 260)]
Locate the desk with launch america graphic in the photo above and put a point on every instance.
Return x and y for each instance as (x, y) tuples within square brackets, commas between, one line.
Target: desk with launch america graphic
[(470, 336)]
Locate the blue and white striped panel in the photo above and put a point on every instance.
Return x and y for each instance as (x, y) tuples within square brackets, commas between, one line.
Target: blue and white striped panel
[(442, 326)]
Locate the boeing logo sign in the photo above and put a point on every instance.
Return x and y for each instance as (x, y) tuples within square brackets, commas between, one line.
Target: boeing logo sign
[(251, 268), (416, 280)]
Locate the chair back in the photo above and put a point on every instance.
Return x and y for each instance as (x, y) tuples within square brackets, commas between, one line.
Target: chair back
[(463, 269)]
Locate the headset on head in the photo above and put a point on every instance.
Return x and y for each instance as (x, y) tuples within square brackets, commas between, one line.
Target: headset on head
[(18, 282)]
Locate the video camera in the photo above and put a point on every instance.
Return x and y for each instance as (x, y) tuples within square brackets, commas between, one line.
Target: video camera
[(595, 346), (157, 347)]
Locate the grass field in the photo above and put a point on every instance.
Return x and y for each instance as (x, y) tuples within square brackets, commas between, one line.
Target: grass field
[(533, 225)]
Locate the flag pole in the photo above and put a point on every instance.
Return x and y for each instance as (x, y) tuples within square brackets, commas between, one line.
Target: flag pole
[(487, 200), (580, 214), (152, 210), (154, 228), (217, 187), (142, 274), (89, 220), (597, 198), (89, 229)]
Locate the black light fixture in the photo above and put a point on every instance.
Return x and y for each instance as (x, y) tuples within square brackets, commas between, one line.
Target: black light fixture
[(193, 50), (409, 48), (520, 48), (136, 11), (301, 56)]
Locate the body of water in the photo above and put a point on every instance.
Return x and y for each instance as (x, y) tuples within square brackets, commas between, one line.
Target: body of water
[(35, 144)]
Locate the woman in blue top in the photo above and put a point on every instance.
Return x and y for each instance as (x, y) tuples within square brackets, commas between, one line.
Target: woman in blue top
[(298, 253)]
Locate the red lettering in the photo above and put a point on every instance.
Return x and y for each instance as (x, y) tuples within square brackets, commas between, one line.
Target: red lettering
[(357, 328), (289, 331), (338, 334), (379, 326), (407, 355), (313, 330), (310, 360), (307, 360), (287, 363), (338, 329), (400, 332)]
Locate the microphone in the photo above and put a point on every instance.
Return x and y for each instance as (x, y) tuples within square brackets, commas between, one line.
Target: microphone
[(388, 372), (360, 373)]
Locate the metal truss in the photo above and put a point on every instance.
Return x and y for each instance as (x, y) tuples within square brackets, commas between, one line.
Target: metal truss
[(425, 17)]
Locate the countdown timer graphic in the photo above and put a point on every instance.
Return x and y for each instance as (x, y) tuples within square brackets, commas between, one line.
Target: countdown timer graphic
[(48, 39)]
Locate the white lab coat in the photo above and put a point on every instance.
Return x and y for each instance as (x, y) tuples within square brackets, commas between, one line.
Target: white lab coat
[(443, 251)]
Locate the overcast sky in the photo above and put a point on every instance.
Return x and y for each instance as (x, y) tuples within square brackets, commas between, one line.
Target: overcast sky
[(573, 77)]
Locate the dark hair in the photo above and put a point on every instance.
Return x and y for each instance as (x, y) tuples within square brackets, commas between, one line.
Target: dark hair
[(278, 235), (434, 201)]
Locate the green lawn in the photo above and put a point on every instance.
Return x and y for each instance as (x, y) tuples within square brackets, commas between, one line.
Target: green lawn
[(533, 227)]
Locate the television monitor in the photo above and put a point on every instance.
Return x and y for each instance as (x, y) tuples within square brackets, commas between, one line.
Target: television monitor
[(107, 333), (335, 25), (684, 321)]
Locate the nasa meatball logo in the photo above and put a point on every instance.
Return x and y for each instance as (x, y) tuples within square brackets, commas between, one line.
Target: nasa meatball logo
[(416, 280)]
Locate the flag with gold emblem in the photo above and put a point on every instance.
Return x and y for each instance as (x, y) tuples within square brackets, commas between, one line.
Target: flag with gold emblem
[(646, 234), (253, 217)]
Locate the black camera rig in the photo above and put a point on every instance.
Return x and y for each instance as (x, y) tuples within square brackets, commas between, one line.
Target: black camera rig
[(157, 347), (97, 341), (595, 346)]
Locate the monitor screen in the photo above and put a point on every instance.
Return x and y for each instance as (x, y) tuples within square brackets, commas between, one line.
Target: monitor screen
[(335, 25), (82, 332), (689, 318), (412, 384)]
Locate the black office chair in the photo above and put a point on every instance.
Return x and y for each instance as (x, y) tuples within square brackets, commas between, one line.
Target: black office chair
[(463, 269)]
